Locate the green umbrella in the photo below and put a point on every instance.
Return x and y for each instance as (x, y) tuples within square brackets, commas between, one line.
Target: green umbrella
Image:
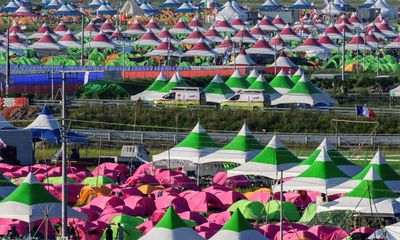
[(290, 212)]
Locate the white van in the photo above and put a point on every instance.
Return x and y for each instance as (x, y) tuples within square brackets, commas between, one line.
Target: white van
[(182, 96), (253, 99)]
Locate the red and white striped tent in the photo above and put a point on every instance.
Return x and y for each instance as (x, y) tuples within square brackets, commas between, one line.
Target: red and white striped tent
[(224, 26), (61, 29), (135, 29), (288, 34), (195, 23), (373, 28), (226, 45), (117, 35), (394, 44), (23, 11), (282, 63), (261, 47), (153, 26), (310, 44), (318, 22), (69, 40), (278, 22), (266, 25), (101, 41), (41, 31), (47, 43), (243, 36), (200, 49), (107, 27), (195, 36), (15, 41), (242, 59), (166, 48), (343, 20), (354, 20), (358, 43), (213, 35), (17, 29), (90, 30), (277, 42), (348, 32), (379, 18), (302, 31), (180, 28), (238, 23), (325, 41), (165, 34), (372, 40), (147, 39), (386, 29), (333, 33), (256, 31)]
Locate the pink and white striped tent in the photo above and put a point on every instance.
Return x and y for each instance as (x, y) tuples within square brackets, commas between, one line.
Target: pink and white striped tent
[(117, 34), (288, 34), (107, 27), (200, 49), (213, 35), (379, 18), (266, 25), (278, 43), (153, 26), (41, 31), (195, 23), (180, 28), (237, 23), (69, 40), (23, 11), (148, 39), (358, 43), (394, 44), (243, 36), (47, 43), (343, 20), (165, 34), (166, 48), (226, 45), (101, 41), (278, 22), (354, 20), (372, 40), (386, 29), (135, 29), (242, 59), (90, 30), (372, 27), (348, 32), (325, 41), (282, 63), (261, 47), (224, 26), (195, 36), (333, 33), (16, 42), (256, 31), (61, 29), (310, 44), (17, 29), (302, 31)]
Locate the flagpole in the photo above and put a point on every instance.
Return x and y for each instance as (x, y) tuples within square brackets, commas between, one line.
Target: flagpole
[(8, 62), (64, 216), (281, 209)]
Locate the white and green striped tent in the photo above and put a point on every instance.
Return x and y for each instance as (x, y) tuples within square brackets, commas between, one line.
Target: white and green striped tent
[(273, 160), (31, 202), (237, 228), (371, 196), (237, 82), (152, 91), (193, 147), (388, 175), (171, 227), (304, 92), (6, 187), (239, 150), (297, 75), (340, 161), (217, 91), (261, 84), (175, 81), (320, 176), (281, 82), (252, 76)]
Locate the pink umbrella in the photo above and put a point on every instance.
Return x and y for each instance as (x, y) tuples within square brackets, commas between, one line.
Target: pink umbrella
[(221, 178), (328, 233), (202, 201), (194, 216), (102, 201), (144, 206), (365, 230), (297, 235), (134, 180), (219, 218), (145, 227), (112, 170), (179, 203)]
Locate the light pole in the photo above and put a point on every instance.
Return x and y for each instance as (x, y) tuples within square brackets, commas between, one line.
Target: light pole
[(64, 215)]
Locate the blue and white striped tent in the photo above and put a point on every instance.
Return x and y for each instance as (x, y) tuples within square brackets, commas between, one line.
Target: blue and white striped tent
[(11, 6), (185, 8), (104, 9), (54, 4), (148, 8), (342, 4), (94, 4), (171, 4), (270, 5), (367, 4), (301, 4), (67, 10)]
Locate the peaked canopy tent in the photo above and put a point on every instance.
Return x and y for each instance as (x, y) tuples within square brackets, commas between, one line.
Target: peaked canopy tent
[(152, 91), (217, 91), (237, 82), (270, 5), (253, 75), (47, 46), (67, 10), (192, 148), (266, 25), (69, 40), (310, 44), (301, 4), (304, 92), (175, 81), (223, 26), (261, 46), (180, 28), (242, 59), (228, 12), (166, 48), (386, 10), (297, 75), (147, 39), (200, 49), (331, 9), (288, 34), (4, 124), (261, 84), (31, 202), (101, 41), (282, 63), (6, 187), (135, 29), (281, 82), (239, 150), (46, 128)]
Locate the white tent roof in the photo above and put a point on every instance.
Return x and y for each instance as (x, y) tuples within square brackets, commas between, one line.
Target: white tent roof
[(131, 8), (228, 12), (331, 9)]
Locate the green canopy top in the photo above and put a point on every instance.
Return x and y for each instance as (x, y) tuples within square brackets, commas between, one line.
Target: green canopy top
[(261, 84), (158, 84), (197, 138), (303, 86), (249, 209), (175, 81), (217, 86), (127, 219), (57, 180), (237, 222), (244, 141), (281, 80), (236, 81), (297, 75), (252, 76), (171, 220), (97, 181)]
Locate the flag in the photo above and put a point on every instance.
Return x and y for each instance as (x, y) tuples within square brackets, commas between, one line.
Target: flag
[(365, 111)]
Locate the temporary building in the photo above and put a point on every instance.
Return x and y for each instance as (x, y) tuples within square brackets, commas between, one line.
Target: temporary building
[(358, 43), (148, 9), (180, 28), (304, 92), (243, 36), (53, 4), (301, 4), (253, 210), (333, 33), (242, 59), (327, 42), (256, 31), (228, 12), (46, 46), (237, 228), (185, 8), (372, 40), (261, 84), (16, 42), (41, 31), (23, 11), (388, 175), (153, 26), (171, 227), (101, 41), (239, 150), (288, 34), (310, 44), (217, 91), (213, 35), (192, 148), (94, 4), (11, 6), (166, 48), (320, 176), (17, 29), (282, 63), (196, 23), (69, 40), (165, 35), (278, 22), (67, 9), (277, 43), (175, 81), (266, 25), (386, 10), (223, 26), (135, 28), (31, 202), (331, 9), (195, 36), (270, 5), (355, 20), (227, 46), (271, 162), (105, 9), (281, 82), (107, 27), (237, 82), (200, 49), (90, 30), (4, 124), (386, 29), (147, 39), (61, 29), (170, 4)]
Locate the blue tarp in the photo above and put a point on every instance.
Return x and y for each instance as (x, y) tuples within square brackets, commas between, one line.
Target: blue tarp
[(43, 79)]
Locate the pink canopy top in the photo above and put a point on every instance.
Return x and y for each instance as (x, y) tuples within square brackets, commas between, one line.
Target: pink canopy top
[(371, 38), (117, 34), (345, 27), (180, 204), (302, 30), (261, 43), (180, 27), (227, 43), (165, 34), (266, 24), (325, 40), (333, 32), (384, 26), (243, 36), (212, 34), (61, 28), (15, 28), (276, 40), (47, 38), (287, 32), (223, 25), (256, 31), (379, 18), (45, 28), (69, 37), (152, 25), (354, 19), (343, 20), (195, 22), (137, 27), (91, 28), (312, 42), (107, 27), (278, 22), (357, 39), (237, 23)]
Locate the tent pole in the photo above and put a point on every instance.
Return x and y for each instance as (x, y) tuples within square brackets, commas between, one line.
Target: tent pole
[(83, 42), (343, 54), (64, 216), (198, 171), (281, 209), (8, 62)]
